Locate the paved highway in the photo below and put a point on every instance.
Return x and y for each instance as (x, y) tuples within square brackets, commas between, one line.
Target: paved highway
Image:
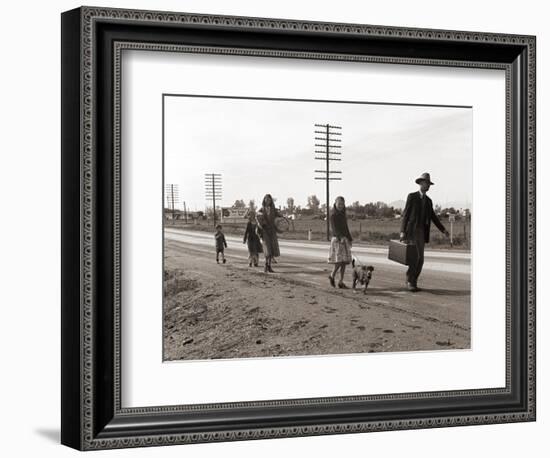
[(435, 260)]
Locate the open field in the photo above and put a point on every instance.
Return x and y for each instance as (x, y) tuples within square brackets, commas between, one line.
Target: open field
[(371, 230), (233, 311)]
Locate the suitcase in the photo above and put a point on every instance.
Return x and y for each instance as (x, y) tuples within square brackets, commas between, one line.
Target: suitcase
[(402, 252)]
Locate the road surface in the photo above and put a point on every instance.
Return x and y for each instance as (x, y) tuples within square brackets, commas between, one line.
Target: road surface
[(434, 260)]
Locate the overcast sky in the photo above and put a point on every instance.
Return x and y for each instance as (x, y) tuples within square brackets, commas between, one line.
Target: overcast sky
[(267, 146)]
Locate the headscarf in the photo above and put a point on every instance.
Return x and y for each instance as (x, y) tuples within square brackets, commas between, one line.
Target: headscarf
[(265, 218), (265, 198)]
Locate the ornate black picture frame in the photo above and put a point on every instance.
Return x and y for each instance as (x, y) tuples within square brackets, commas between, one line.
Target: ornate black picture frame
[(92, 40)]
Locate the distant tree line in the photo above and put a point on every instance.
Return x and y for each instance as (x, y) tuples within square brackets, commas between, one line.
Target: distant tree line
[(356, 210)]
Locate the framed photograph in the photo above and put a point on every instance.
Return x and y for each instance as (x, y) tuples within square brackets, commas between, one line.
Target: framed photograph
[(276, 228)]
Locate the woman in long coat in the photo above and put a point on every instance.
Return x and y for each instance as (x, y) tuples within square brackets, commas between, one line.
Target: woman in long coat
[(340, 245), (266, 219), (252, 240)]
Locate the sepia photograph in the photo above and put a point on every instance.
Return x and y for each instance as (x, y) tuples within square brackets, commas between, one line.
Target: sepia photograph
[(314, 227)]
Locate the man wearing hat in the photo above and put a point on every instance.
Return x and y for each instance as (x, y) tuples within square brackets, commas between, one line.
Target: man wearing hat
[(415, 226)]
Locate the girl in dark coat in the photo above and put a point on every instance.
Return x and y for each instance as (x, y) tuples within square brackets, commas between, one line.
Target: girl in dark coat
[(252, 240), (340, 245), (268, 229)]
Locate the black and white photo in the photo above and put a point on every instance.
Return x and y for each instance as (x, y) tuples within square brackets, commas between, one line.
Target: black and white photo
[(277, 213)]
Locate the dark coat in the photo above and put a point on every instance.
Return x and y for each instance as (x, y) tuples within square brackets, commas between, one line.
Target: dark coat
[(220, 241), (414, 216), (268, 230), (339, 224), (251, 238)]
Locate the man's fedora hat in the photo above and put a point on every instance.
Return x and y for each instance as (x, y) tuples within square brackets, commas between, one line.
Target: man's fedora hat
[(424, 177)]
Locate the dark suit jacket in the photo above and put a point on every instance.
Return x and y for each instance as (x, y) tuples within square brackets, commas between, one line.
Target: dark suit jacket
[(412, 214)]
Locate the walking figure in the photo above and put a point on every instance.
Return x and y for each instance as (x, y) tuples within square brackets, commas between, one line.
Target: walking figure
[(220, 243), (266, 219), (340, 244), (252, 240), (415, 226)]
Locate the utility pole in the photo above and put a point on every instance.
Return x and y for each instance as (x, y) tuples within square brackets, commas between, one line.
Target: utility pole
[(185, 212), (172, 196), (327, 139), (213, 189)]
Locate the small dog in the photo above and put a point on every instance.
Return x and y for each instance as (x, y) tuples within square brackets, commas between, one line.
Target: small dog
[(361, 274)]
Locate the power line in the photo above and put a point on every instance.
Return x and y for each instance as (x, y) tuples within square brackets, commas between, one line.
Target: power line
[(326, 141)]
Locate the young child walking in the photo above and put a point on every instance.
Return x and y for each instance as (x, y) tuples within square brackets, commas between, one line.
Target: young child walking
[(252, 240), (220, 243)]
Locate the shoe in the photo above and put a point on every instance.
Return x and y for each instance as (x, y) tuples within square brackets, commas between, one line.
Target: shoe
[(218, 261), (331, 280), (265, 269), (269, 269), (341, 285), (412, 288), (255, 264), (249, 264), (224, 261)]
